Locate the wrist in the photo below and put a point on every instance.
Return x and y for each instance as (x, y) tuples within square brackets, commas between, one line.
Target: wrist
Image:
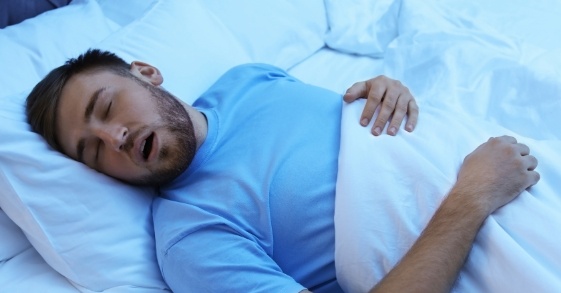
[(471, 200)]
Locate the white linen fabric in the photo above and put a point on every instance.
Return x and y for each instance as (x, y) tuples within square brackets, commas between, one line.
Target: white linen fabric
[(28, 272), (335, 70), (50, 39), (280, 33), (190, 46), (82, 217), (13, 241), (389, 187), (123, 16), (364, 27), (494, 63), (472, 83), (73, 215), (21, 268), (95, 231)]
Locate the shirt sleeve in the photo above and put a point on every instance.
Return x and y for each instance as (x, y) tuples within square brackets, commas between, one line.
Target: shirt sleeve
[(216, 259)]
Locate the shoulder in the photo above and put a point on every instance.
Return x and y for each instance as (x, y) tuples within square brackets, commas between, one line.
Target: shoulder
[(253, 73), (240, 82), (255, 67)]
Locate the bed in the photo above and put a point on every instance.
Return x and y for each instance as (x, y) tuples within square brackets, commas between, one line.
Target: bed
[(477, 68)]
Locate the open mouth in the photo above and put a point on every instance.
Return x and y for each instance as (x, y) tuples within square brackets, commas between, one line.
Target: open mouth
[(147, 147)]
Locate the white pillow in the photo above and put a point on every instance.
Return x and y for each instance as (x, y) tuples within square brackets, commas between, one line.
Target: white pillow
[(363, 27), (32, 48), (281, 33), (28, 272), (190, 46), (92, 229), (13, 240), (123, 15)]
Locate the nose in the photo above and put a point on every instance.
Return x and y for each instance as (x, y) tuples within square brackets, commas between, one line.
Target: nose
[(113, 136)]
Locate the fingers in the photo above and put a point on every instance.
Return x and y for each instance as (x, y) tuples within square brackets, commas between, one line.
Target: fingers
[(391, 98), (355, 92), (534, 177), (529, 162), (505, 138), (523, 149), (413, 116), (387, 108), (374, 98), (405, 105), (399, 114)]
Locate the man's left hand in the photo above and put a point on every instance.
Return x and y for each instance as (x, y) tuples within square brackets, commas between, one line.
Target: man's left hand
[(392, 97)]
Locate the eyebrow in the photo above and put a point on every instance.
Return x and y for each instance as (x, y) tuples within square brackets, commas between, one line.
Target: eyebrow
[(87, 114), (91, 104)]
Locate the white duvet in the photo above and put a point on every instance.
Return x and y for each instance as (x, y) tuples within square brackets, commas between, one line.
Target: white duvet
[(472, 83)]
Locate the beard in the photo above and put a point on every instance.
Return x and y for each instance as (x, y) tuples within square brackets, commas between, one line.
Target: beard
[(175, 156)]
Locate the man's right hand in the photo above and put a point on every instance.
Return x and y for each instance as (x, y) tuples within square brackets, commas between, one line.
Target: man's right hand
[(497, 172), (490, 177)]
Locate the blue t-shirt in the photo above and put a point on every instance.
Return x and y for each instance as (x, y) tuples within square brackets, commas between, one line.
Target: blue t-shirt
[(254, 210)]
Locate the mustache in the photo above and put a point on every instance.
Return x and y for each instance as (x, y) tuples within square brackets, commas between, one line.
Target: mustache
[(131, 138)]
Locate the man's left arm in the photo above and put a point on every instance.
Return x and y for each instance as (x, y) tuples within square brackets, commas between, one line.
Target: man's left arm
[(393, 100)]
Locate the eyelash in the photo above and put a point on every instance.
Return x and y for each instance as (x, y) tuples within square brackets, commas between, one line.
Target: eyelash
[(97, 149), (99, 141), (108, 109)]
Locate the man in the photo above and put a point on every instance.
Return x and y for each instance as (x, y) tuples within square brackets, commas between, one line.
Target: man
[(247, 174)]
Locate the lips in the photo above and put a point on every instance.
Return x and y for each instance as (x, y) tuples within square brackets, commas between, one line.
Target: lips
[(145, 146)]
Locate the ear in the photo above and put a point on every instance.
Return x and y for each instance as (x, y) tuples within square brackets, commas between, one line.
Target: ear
[(147, 72)]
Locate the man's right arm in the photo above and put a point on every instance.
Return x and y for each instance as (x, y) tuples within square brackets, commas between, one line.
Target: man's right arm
[(490, 177)]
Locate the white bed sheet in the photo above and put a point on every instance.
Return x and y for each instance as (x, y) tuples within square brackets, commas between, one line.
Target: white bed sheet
[(22, 269), (443, 70), (28, 272), (474, 78), (335, 70)]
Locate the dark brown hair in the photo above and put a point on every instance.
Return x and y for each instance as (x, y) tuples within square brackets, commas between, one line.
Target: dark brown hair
[(42, 102)]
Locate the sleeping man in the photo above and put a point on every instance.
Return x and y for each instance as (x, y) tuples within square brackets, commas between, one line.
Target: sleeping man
[(247, 174)]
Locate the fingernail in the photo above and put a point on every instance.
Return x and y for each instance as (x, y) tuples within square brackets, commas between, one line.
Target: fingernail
[(377, 131), (409, 127), (364, 121), (392, 131)]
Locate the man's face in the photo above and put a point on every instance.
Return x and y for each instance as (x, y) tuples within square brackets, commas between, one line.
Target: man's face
[(125, 127)]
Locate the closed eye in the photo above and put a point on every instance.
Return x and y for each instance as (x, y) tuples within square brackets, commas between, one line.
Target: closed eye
[(98, 146), (108, 110)]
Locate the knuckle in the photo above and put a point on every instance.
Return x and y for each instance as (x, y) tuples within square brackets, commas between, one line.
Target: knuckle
[(375, 98), (510, 150), (519, 165), (380, 80), (358, 83), (390, 99), (401, 108), (388, 107)]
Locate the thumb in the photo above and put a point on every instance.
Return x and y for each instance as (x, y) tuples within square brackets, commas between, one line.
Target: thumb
[(356, 91)]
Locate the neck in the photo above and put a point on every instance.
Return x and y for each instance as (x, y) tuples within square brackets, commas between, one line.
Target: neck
[(199, 121)]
